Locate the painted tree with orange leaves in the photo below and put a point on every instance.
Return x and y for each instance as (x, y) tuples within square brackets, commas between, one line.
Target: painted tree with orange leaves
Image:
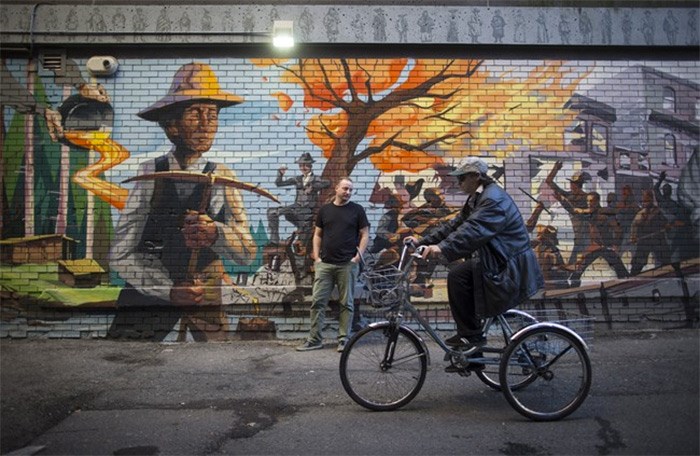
[(390, 103), (411, 114)]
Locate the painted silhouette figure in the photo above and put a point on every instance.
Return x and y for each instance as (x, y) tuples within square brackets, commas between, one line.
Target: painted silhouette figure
[(474, 26), (605, 236), (301, 212), (498, 25), (648, 235), (542, 32), (670, 27), (576, 197)]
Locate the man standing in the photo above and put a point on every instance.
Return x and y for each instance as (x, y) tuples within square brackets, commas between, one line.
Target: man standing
[(340, 238), (503, 274), (161, 226), (301, 213)]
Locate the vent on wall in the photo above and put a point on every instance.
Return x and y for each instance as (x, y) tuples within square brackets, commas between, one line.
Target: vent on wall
[(54, 61)]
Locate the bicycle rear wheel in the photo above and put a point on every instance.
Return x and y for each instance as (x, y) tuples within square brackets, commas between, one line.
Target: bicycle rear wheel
[(553, 363), (374, 383), (498, 339)]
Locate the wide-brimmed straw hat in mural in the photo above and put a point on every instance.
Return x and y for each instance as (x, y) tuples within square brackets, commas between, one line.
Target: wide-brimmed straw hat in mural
[(305, 158), (193, 81)]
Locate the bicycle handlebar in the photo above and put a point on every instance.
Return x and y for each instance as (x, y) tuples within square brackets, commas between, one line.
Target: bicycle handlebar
[(417, 253)]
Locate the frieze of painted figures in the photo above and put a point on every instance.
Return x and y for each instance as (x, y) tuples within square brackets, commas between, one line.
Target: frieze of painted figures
[(174, 24)]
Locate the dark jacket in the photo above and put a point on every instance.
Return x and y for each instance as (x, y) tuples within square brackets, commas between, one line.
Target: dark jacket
[(307, 195), (491, 227)]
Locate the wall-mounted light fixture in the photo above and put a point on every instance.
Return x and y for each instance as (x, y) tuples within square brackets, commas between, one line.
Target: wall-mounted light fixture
[(283, 34)]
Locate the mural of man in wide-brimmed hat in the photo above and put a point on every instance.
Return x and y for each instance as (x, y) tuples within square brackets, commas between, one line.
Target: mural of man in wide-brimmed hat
[(163, 222)]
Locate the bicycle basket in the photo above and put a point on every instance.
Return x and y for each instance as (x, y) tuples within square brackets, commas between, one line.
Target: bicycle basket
[(387, 287), (583, 325)]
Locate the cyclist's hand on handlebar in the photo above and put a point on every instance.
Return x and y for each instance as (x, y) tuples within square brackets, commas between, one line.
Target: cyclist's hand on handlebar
[(411, 240), (426, 250)]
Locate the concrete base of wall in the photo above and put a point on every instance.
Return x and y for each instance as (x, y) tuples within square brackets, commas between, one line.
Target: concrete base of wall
[(291, 321)]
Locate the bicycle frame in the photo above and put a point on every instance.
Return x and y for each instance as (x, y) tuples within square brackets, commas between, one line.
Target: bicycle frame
[(396, 318)]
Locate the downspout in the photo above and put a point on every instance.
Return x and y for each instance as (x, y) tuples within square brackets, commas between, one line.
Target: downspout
[(32, 20)]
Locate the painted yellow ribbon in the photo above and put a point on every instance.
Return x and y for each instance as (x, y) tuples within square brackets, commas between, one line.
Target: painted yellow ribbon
[(111, 154)]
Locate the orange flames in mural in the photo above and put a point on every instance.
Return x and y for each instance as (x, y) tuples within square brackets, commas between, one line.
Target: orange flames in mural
[(510, 114), (111, 154)]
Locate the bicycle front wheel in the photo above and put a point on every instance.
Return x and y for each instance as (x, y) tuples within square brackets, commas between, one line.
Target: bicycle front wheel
[(553, 364), (377, 381)]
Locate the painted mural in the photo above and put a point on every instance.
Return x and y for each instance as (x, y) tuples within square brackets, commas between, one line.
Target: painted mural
[(167, 189)]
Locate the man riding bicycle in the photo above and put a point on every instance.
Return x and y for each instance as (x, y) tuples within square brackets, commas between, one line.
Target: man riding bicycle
[(500, 269)]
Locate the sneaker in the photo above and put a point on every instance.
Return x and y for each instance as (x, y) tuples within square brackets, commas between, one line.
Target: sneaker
[(456, 341), (307, 346), (341, 345)]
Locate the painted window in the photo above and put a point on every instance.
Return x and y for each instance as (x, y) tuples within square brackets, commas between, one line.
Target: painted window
[(625, 160), (670, 155), (643, 162), (599, 139), (669, 99)]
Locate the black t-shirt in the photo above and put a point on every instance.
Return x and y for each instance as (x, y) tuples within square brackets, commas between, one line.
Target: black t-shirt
[(341, 227)]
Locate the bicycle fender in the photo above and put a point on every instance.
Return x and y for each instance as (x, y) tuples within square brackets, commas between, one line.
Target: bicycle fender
[(381, 324), (528, 329)]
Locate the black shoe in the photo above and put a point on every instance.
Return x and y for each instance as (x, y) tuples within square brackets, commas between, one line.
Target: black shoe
[(466, 342), (456, 341)]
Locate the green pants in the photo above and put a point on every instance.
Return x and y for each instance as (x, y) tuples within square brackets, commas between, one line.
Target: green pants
[(326, 277)]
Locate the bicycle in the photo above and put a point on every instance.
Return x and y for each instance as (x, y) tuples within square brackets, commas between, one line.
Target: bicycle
[(542, 368)]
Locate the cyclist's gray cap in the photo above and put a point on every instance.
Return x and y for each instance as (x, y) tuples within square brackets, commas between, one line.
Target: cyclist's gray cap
[(471, 165)]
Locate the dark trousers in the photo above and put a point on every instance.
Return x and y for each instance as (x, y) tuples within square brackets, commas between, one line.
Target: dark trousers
[(460, 291), (302, 217), (657, 246)]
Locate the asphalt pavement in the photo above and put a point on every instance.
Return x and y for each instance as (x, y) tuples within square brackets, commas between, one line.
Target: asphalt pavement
[(98, 397)]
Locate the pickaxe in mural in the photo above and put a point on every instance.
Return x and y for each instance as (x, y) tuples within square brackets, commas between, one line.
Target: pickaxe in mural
[(207, 181)]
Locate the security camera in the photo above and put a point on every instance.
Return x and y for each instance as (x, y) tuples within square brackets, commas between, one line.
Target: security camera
[(102, 65)]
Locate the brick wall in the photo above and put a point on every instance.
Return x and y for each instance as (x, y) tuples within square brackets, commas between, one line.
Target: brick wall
[(623, 122)]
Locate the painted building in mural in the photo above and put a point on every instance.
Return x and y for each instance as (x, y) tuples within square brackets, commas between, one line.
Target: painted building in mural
[(601, 156)]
